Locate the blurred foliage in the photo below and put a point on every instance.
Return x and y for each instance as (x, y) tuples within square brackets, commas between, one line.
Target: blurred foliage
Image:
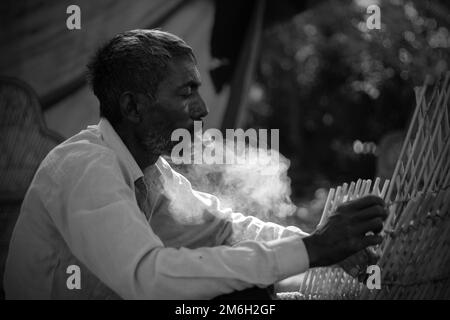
[(329, 84)]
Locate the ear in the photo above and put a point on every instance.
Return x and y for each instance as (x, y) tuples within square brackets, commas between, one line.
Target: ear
[(133, 106)]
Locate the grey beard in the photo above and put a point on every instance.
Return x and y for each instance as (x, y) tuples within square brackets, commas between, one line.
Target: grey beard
[(158, 142)]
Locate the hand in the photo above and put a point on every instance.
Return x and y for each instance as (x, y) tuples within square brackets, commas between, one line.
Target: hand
[(356, 265), (344, 234)]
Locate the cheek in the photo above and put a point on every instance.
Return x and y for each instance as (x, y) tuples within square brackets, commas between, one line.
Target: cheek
[(179, 111), (159, 111), (174, 113), (153, 118), (185, 106)]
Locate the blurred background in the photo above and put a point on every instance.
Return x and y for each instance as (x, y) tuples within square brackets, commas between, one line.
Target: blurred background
[(340, 94), (348, 90)]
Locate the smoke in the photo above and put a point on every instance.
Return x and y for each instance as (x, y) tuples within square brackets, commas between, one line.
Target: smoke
[(255, 183)]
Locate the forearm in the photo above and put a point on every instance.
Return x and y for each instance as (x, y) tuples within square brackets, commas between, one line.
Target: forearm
[(208, 272), (204, 273), (125, 254)]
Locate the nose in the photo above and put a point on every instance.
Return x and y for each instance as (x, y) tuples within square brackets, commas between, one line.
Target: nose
[(198, 110)]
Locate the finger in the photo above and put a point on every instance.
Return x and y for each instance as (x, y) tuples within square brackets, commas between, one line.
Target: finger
[(362, 203), (360, 259), (356, 259), (370, 213), (371, 240), (375, 225), (372, 255), (363, 277)]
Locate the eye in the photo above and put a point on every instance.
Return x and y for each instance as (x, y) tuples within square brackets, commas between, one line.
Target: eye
[(186, 92)]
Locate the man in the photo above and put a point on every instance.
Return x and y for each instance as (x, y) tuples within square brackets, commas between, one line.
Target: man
[(89, 206)]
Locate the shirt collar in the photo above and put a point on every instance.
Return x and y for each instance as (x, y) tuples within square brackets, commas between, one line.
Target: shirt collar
[(115, 142)]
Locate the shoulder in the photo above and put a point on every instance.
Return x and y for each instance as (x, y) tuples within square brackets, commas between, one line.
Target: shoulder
[(73, 157), (81, 162)]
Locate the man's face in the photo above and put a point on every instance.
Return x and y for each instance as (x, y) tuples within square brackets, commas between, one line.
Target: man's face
[(177, 105)]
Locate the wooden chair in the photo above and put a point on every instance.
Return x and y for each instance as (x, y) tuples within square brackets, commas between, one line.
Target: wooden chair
[(24, 142)]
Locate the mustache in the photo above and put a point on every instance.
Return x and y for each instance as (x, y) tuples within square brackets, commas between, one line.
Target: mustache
[(161, 135)]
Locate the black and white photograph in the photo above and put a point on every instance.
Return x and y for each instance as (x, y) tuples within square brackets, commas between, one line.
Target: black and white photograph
[(233, 157)]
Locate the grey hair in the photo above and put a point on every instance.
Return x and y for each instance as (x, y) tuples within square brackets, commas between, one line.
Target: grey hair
[(134, 61)]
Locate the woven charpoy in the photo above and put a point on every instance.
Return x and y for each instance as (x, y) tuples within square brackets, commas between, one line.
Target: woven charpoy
[(24, 142), (415, 253)]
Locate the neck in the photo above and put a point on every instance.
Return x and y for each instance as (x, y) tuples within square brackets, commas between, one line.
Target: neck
[(143, 158)]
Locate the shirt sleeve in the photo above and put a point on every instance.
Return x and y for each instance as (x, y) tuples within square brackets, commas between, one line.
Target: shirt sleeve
[(99, 219), (241, 227), (183, 216), (252, 228), (244, 228)]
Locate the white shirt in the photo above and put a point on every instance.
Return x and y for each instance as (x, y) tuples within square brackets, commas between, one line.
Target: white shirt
[(81, 209)]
